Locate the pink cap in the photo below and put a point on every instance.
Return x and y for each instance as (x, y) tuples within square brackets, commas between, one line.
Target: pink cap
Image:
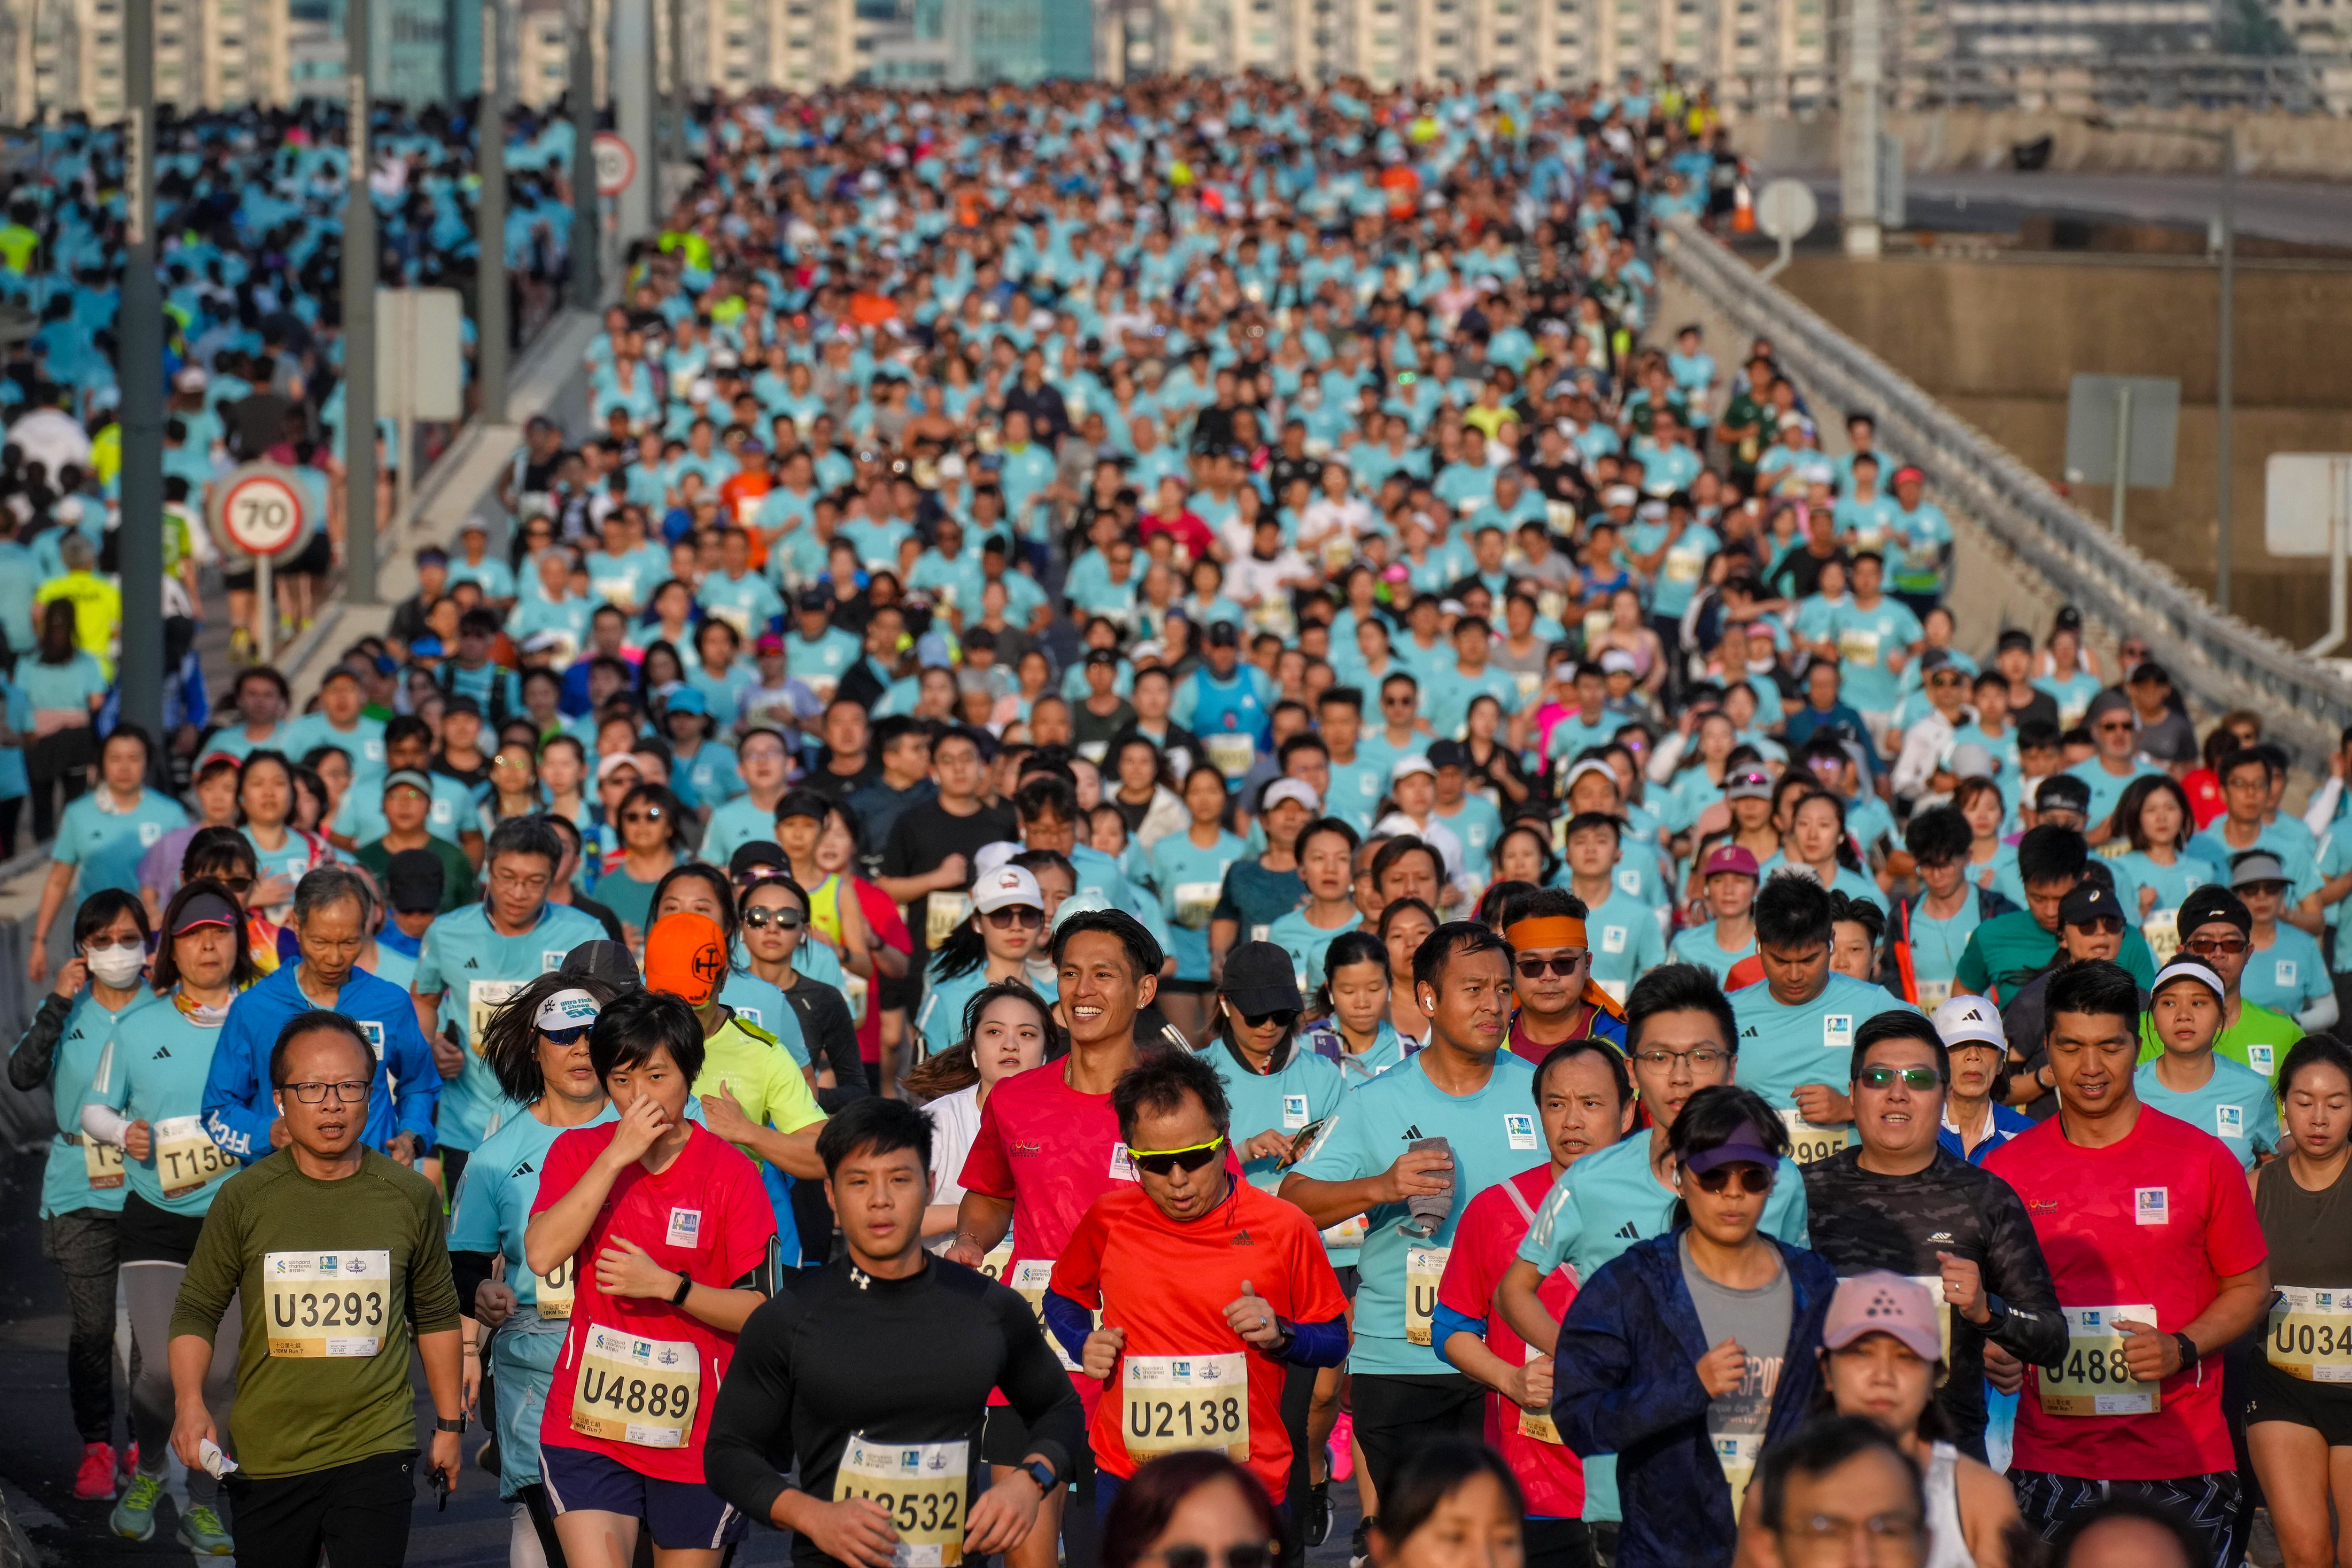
[(1880, 1302), (1730, 859)]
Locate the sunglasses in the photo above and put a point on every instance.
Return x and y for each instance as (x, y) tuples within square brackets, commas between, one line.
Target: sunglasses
[(571, 1036), (1564, 965), (2105, 925), (761, 919), (1165, 1162), (241, 886), (2212, 946), (1282, 1017), (651, 814), (2108, 724), (1020, 915), (1920, 1078), (1752, 1179)]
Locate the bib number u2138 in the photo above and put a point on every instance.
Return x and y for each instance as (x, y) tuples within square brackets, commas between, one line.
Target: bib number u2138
[(1173, 1403)]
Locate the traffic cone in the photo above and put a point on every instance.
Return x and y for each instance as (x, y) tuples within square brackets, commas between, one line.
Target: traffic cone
[(1743, 209)]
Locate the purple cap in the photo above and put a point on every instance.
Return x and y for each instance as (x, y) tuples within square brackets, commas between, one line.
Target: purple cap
[(1731, 860), (1744, 1145)]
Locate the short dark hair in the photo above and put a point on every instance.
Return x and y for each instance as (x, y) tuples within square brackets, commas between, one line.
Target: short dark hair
[(874, 1126), (1143, 953), (1898, 1024), (1346, 831), (1586, 1046), (2050, 854), (1045, 796), (1678, 988), (1160, 1081), (1823, 1443), (1397, 849), (2125, 1505), (1454, 938), (1435, 1471), (1793, 911), (1938, 835), (312, 1022), (639, 1023), (99, 912), (2091, 985), (523, 836)]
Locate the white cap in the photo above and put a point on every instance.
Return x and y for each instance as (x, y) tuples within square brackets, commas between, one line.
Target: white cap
[(1617, 658), (991, 856), (1299, 790), (1590, 765), (2189, 969), (1969, 1021), (1620, 495), (1970, 761), (566, 1010), (1405, 767), (1004, 887)]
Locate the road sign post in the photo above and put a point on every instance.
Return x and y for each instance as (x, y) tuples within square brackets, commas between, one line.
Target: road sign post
[(2121, 430), (1785, 212), (616, 164), (262, 510), (2308, 511)]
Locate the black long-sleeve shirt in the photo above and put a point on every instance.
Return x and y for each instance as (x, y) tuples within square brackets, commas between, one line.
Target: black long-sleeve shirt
[(1861, 1221), (30, 1063), (901, 1360), (832, 1036)]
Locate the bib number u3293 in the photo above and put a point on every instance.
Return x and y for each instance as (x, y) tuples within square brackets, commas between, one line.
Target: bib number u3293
[(1173, 1403), (326, 1305), (922, 1487)]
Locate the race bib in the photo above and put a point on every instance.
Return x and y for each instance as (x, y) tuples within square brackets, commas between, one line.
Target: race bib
[(327, 1304), (1684, 566), (1934, 994), (1174, 1403), (2229, 1122), (1229, 754), (1837, 1031), (638, 1391), (997, 1262), (1538, 1424), (1423, 1267), (853, 991), (186, 1157), (1029, 1277), (1857, 647), (922, 1487), (2262, 1059), (102, 1163), (1809, 1141), (621, 592), (1338, 550), (2162, 929), (2094, 1379), (684, 1228), (556, 1290), (1195, 903), (733, 615), (1348, 1232), (483, 999), (374, 1032), (943, 913), (1738, 1452), (1933, 1285), (2310, 1334)]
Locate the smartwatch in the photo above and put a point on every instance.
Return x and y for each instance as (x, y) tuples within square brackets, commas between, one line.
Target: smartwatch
[(448, 1424), (2190, 1353), (1041, 1472), (685, 1285)]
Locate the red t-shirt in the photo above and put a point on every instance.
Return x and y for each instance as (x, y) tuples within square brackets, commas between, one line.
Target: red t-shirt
[(882, 919), (1167, 1284), (706, 1215), (1486, 1240), (1190, 534), (2159, 1218)]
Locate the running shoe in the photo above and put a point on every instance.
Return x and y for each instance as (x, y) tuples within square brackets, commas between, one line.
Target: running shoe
[(1359, 1546), (1319, 1514), (126, 1462), (201, 1532), (94, 1480), (1343, 1447), (133, 1518)]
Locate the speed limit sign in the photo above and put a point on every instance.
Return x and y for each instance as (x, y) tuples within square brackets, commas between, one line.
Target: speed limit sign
[(616, 163), (262, 510)]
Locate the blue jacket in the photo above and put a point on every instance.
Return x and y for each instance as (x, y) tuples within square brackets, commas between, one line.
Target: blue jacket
[(237, 1108), (1625, 1382)]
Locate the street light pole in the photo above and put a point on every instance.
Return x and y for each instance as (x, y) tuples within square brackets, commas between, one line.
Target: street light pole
[(141, 375), (587, 212), (359, 324), (490, 219)]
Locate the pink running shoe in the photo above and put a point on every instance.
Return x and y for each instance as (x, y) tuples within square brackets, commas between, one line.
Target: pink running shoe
[(1343, 1447), (94, 1480)]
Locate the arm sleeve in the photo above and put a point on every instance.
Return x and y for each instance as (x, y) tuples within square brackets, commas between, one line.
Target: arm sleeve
[(417, 1081), (28, 1064), (1444, 1323), (214, 1269), (234, 1086), (466, 1272), (749, 1443), (1033, 1381), (1070, 1323), (1321, 1344), (2031, 1328)]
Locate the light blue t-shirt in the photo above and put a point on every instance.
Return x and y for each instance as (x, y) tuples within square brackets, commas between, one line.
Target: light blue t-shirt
[(1477, 823), (475, 969), (1493, 1135), (1936, 945), (2288, 976), (1866, 639), (1189, 879), (1782, 1047), (2234, 1105), (1303, 1092), (1307, 943), (2106, 788), (106, 844), (1627, 941), (153, 1070), (761, 1002), (363, 744), (2171, 883), (65, 1180)]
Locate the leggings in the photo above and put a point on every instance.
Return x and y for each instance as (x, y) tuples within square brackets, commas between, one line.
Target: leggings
[(80, 1242), (151, 1289)]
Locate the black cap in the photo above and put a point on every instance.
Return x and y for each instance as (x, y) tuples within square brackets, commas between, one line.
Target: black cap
[(1222, 634), (459, 702), (603, 960), (1260, 979), (2062, 791), (2089, 900), (1448, 754), (2213, 903), (816, 599), (1102, 656), (2016, 637), (414, 882), (758, 856)]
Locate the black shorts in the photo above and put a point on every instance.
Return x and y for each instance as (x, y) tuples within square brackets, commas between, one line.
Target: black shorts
[(240, 582), (1349, 1278), (1004, 1435), (2326, 1408), (1188, 987), (313, 560)]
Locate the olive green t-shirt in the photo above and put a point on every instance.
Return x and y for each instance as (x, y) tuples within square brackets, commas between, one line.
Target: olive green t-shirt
[(330, 1275)]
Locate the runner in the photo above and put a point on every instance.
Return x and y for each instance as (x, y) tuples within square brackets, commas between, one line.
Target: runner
[(1796, 1025), (2190, 1081), (2296, 1423), (1327, 853), (475, 958), (1272, 1081), (1976, 1122), (1683, 1041), (2217, 930), (1009, 1029), (1551, 976), (1408, 1150), (2007, 950), (1204, 1285), (332, 911), (1584, 1102), (322, 1235), (82, 1182), (1048, 1146), (874, 1373), (1188, 868), (1841, 1475), (1897, 1200), (1719, 1297), (670, 1225), (1354, 1032), (537, 1045), (995, 944), (146, 1098), (2159, 1260)]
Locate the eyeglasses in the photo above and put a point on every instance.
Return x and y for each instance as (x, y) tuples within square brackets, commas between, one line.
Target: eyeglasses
[(650, 813), (1752, 1178), (1165, 1162), (2107, 724), (1562, 965), (316, 1093), (1020, 915), (1892, 1538), (2217, 946), (1920, 1078), (761, 919), (1703, 1059), (1242, 1554), (508, 881), (571, 1036)]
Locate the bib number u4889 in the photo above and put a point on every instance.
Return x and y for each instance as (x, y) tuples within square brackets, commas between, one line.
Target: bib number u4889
[(556, 1290), (634, 1390)]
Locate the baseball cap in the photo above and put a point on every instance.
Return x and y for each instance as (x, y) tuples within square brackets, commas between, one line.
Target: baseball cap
[(1102, 656), (2205, 905), (1297, 790), (414, 779), (1907, 474), (1617, 661), (2062, 791), (816, 599), (686, 956), (459, 702), (1730, 859), (1406, 767), (206, 910), (767, 643), (1743, 1147), (1007, 886), (2089, 901), (1970, 761), (760, 859), (1969, 1021), (607, 766), (1222, 634), (1751, 785), (547, 641), (1448, 753), (688, 700), (2107, 702), (801, 803), (2256, 867), (1881, 1302), (1260, 979), (606, 960), (571, 1009), (414, 882), (1590, 765), (2189, 969)]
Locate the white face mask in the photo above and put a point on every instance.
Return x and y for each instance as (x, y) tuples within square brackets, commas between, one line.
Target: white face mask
[(116, 966)]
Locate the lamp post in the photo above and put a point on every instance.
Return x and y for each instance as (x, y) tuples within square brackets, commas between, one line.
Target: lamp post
[(2225, 335), (141, 375), (490, 216)]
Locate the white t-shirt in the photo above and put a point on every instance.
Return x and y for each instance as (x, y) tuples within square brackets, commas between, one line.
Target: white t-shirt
[(955, 1124)]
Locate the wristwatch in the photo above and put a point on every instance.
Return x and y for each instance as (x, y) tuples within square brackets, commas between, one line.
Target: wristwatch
[(1041, 1472), (2190, 1353), (448, 1424), (685, 1286)]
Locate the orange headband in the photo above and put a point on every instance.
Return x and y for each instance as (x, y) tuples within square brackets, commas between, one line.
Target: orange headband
[(1547, 930)]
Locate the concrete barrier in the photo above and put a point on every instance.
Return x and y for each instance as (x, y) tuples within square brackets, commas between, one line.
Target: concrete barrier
[(2315, 147)]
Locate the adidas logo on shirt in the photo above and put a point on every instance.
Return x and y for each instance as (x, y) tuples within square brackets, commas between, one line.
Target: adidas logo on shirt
[(1746, 1034), (472, 964), (1627, 1233), (1242, 1238), (160, 1054), (1410, 1133)]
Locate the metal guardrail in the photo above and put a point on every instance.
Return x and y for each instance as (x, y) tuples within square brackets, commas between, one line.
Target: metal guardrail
[(2291, 84), (2214, 657)]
